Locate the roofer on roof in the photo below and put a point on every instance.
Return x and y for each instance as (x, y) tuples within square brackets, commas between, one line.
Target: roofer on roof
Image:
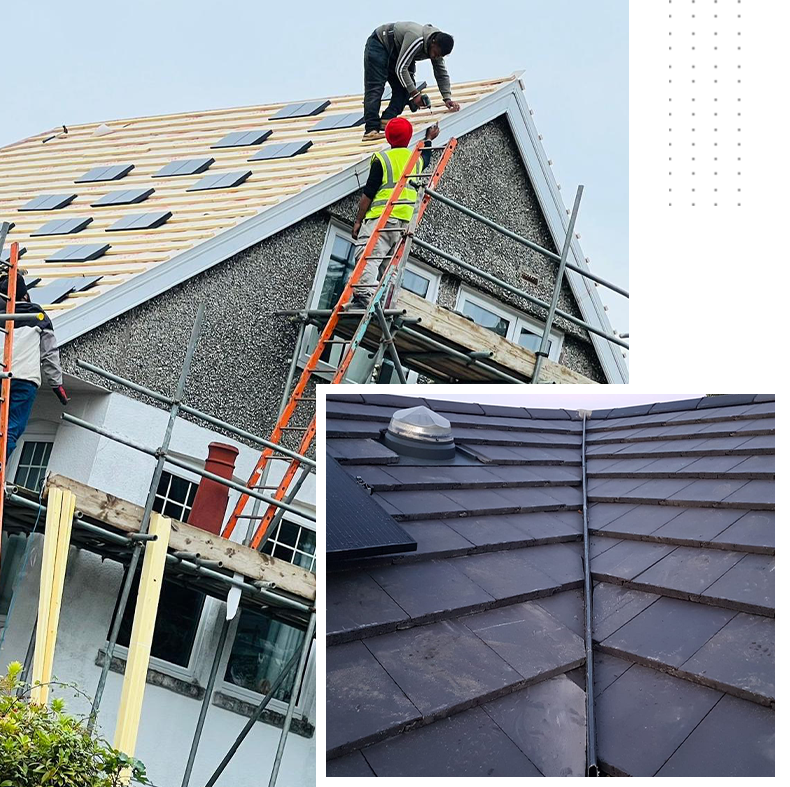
[(391, 55), (374, 198), (35, 352)]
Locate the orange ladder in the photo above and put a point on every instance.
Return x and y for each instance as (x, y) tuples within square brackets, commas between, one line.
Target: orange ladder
[(379, 298)]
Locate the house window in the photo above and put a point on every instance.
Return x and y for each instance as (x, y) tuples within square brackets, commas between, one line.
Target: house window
[(175, 496), (32, 465), (507, 323), (261, 649), (293, 543), (180, 607), (339, 266)]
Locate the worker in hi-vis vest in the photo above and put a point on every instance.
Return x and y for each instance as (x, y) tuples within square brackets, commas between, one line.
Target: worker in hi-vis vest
[(386, 168)]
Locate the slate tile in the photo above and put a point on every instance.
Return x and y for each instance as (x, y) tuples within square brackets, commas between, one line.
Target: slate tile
[(549, 414), (341, 427), (457, 477), (355, 601), (657, 489), (362, 700), (669, 631), (442, 406), (566, 495), (675, 406), (723, 465), (429, 587), (350, 765), (614, 606), (548, 474), (726, 400), (360, 451), (443, 666), (626, 466), (629, 558), (671, 464), (344, 397), (753, 529), (417, 504), (528, 638), (599, 544), (533, 498), (484, 530), (374, 476), (601, 514), (689, 570), (482, 501), (761, 443), (699, 524), (562, 562), (642, 519), (435, 537), (387, 505), (763, 463), (750, 583), (724, 443), (753, 493), (336, 409), (390, 400), (735, 739), (567, 607), (544, 524), (547, 722), (505, 574), (505, 411), (467, 744), (606, 489), (707, 491), (741, 655), (606, 670), (493, 453), (645, 715)]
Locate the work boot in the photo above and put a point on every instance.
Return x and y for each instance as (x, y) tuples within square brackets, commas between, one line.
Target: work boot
[(373, 136)]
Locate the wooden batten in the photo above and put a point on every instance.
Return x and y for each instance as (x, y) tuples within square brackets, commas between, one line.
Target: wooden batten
[(126, 516)]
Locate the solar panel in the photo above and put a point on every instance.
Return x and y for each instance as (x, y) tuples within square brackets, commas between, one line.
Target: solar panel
[(62, 226), (242, 138), (141, 221), (347, 120), (222, 180), (60, 289), (189, 166), (282, 150), (388, 90), (125, 197), (97, 174), (356, 525), (81, 253), (305, 109), (48, 202), (5, 254)]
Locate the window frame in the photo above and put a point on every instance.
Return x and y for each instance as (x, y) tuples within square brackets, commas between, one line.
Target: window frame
[(517, 319), (38, 431)]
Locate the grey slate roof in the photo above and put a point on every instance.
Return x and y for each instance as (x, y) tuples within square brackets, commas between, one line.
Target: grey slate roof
[(465, 657)]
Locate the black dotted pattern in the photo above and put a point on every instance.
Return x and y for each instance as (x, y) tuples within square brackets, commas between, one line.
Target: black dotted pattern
[(705, 157)]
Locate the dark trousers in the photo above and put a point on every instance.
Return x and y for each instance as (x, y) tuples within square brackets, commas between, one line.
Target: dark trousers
[(23, 394), (380, 69)]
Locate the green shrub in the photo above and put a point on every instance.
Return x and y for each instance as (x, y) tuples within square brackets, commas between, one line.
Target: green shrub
[(41, 746)]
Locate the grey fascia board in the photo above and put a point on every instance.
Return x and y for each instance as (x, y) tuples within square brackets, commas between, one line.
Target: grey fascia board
[(553, 208)]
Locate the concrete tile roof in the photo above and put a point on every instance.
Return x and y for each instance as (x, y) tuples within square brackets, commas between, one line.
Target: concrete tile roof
[(484, 621), (53, 162)]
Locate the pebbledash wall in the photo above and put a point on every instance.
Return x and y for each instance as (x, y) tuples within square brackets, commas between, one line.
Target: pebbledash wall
[(92, 586), (241, 363)]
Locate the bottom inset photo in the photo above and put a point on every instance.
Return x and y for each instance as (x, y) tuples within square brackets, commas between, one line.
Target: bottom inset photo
[(549, 585)]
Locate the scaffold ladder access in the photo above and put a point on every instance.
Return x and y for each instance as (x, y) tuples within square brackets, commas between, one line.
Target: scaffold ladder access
[(375, 308)]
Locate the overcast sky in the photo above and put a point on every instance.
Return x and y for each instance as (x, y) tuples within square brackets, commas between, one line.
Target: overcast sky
[(93, 60)]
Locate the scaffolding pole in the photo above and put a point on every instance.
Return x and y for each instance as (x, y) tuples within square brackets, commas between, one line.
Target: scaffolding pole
[(149, 504)]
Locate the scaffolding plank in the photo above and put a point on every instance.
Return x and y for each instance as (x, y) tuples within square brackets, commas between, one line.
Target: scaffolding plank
[(126, 516)]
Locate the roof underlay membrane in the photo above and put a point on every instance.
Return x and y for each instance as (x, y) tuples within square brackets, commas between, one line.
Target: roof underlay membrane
[(466, 657)]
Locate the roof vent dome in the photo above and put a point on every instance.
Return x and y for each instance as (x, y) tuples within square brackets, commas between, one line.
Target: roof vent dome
[(420, 432)]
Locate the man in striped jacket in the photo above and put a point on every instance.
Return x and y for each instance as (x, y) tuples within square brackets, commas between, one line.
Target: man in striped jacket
[(35, 354), (391, 55)]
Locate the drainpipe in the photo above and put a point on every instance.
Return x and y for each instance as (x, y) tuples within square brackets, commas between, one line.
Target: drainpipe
[(592, 759), (211, 500)]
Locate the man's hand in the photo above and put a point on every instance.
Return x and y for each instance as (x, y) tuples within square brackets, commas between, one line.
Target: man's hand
[(355, 231), (453, 106), (419, 100), (60, 392), (432, 131)]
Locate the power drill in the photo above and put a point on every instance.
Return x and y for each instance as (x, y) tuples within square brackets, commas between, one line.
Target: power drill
[(426, 103)]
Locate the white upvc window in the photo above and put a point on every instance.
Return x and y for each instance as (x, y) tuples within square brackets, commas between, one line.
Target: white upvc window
[(334, 268), (508, 323)]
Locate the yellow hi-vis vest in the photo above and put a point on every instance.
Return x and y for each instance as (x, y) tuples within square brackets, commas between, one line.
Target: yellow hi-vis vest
[(393, 163)]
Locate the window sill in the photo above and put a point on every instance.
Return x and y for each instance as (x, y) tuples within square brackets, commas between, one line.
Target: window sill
[(299, 726), (192, 689)]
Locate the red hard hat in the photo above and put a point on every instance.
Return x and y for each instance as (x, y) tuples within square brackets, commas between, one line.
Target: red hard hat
[(399, 132)]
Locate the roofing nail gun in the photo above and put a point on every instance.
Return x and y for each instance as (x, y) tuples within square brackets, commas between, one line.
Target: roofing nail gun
[(426, 103)]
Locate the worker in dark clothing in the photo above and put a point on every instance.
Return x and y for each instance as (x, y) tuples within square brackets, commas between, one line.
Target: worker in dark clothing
[(35, 354), (391, 55), (386, 168)]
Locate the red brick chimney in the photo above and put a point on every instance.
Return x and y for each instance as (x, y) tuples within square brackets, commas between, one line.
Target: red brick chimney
[(211, 500)]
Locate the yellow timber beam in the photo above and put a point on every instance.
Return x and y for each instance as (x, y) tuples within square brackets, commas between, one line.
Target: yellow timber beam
[(57, 537)]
